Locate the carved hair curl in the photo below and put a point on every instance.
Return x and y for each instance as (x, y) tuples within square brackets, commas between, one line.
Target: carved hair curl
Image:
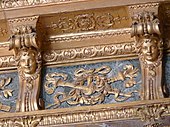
[(27, 52)]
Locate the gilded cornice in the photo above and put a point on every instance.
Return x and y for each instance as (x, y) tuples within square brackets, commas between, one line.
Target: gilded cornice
[(6, 4), (146, 6), (26, 3), (100, 113)]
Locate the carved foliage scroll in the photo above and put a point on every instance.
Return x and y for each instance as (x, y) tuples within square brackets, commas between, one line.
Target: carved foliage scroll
[(86, 20), (152, 114), (5, 92), (90, 86), (149, 46)]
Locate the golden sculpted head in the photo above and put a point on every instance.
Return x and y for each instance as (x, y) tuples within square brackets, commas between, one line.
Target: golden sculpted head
[(28, 61), (150, 49)]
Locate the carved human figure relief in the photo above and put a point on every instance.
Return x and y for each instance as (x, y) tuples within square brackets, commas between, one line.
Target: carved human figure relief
[(149, 47), (29, 66)]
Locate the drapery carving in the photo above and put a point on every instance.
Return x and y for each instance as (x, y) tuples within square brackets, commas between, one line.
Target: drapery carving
[(149, 46)]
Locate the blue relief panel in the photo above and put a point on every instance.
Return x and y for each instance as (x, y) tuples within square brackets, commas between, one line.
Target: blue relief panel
[(8, 91), (90, 84), (166, 72)]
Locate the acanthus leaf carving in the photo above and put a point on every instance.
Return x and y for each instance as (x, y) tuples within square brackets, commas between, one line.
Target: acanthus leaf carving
[(152, 114), (27, 121)]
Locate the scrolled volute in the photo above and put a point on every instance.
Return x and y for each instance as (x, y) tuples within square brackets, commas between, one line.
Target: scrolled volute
[(23, 37), (145, 23)]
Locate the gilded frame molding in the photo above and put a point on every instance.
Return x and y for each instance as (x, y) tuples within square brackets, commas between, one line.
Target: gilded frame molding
[(85, 114), (110, 50)]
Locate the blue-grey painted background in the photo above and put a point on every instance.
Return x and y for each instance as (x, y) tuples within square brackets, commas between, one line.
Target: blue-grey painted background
[(166, 73)]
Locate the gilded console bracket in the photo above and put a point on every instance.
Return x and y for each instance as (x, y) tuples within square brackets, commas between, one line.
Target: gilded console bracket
[(27, 55), (149, 46)]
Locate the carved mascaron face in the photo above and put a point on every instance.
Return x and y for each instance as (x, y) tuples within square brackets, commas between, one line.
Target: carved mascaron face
[(150, 50), (28, 62)]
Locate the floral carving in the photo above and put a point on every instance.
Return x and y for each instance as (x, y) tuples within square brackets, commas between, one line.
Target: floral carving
[(151, 114), (106, 21), (7, 61), (3, 32), (27, 122), (6, 92), (91, 86), (65, 24), (86, 22)]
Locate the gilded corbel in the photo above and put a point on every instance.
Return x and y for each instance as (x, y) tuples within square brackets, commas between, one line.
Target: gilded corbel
[(149, 45), (27, 54)]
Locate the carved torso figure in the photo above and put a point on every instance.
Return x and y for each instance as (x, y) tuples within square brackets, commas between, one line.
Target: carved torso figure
[(149, 46), (29, 66)]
